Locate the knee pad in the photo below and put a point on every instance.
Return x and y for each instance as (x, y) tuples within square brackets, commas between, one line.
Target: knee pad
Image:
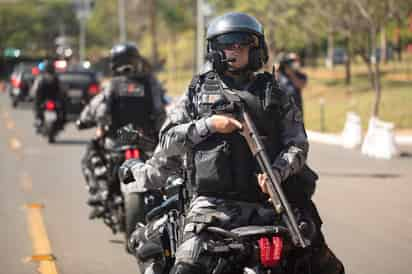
[(186, 268)]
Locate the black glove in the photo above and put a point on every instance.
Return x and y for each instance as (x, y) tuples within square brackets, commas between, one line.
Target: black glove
[(125, 171), (128, 135), (80, 125)]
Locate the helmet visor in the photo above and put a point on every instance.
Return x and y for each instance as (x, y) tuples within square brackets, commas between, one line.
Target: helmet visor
[(235, 39)]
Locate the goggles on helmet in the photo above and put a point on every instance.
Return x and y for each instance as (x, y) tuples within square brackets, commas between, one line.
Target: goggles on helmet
[(234, 40)]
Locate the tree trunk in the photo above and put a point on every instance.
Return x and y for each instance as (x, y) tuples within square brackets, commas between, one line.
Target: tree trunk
[(348, 75), (366, 58), (174, 60), (195, 65), (376, 75), (399, 39), (153, 32), (384, 43), (272, 51), (331, 46)]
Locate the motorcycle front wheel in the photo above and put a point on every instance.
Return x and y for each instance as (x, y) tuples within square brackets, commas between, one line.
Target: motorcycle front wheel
[(134, 211)]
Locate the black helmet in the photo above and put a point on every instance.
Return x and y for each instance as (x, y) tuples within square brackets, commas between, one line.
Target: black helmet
[(286, 60), (123, 57), (232, 27)]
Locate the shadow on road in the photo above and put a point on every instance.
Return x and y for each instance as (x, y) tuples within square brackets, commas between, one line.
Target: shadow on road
[(361, 175), (25, 106), (117, 241), (406, 155), (71, 142)]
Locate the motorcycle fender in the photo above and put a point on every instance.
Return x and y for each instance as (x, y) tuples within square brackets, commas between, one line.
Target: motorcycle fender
[(50, 116), (133, 187)]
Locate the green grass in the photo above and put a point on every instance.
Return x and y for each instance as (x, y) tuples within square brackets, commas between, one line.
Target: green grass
[(396, 102), (176, 83)]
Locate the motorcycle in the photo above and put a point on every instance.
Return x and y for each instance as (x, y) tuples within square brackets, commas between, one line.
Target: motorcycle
[(248, 249), (118, 210), (154, 245), (52, 120)]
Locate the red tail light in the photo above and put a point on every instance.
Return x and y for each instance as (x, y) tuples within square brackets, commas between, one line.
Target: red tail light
[(35, 71), (93, 89), (50, 105), (270, 251), (132, 154), (15, 82), (60, 65)]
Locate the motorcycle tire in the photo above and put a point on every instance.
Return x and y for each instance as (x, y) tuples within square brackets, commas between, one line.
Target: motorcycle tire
[(51, 138), (134, 212)]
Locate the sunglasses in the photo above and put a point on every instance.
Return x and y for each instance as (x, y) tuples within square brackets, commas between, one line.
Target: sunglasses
[(235, 40)]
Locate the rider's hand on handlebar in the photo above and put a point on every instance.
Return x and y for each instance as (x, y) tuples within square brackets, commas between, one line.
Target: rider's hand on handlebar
[(79, 124), (224, 123), (99, 132), (262, 179)]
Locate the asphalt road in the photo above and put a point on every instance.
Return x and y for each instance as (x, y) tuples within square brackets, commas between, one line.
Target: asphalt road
[(366, 205)]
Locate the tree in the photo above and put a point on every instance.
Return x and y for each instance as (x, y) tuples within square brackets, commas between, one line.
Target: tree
[(374, 14), (33, 25)]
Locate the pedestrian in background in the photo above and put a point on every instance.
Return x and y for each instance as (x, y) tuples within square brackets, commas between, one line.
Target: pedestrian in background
[(291, 78)]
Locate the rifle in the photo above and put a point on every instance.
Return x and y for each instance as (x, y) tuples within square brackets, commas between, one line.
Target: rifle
[(256, 146)]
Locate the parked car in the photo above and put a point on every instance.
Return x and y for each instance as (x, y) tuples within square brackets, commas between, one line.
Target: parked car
[(378, 53), (79, 86), (21, 80), (339, 57)]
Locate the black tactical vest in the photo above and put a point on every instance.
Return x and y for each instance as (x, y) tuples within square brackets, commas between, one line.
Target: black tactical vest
[(224, 165), (131, 103), (50, 88)]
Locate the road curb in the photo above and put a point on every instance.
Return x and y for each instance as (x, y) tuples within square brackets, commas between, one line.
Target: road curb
[(336, 139), (403, 139), (325, 138)]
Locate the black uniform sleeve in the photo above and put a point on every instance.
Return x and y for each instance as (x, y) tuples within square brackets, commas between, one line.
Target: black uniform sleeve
[(293, 137), (181, 132), (97, 111)]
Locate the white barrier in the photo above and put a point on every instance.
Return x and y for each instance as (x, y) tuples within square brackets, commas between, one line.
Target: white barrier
[(379, 141), (352, 132)]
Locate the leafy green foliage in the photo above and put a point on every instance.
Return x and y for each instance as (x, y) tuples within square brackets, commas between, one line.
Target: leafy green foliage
[(33, 25)]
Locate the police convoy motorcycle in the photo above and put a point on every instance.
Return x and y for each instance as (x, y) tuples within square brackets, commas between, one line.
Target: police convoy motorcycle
[(281, 245), (133, 97), (273, 248), (53, 120), (116, 210), (49, 100)]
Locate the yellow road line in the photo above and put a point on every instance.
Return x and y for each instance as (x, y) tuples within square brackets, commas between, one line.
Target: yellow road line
[(42, 252), (15, 144), (6, 115), (26, 182), (10, 124)]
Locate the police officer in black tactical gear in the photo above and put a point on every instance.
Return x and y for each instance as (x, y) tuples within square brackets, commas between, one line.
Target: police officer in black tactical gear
[(46, 87), (133, 96), (228, 191), (290, 78)]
